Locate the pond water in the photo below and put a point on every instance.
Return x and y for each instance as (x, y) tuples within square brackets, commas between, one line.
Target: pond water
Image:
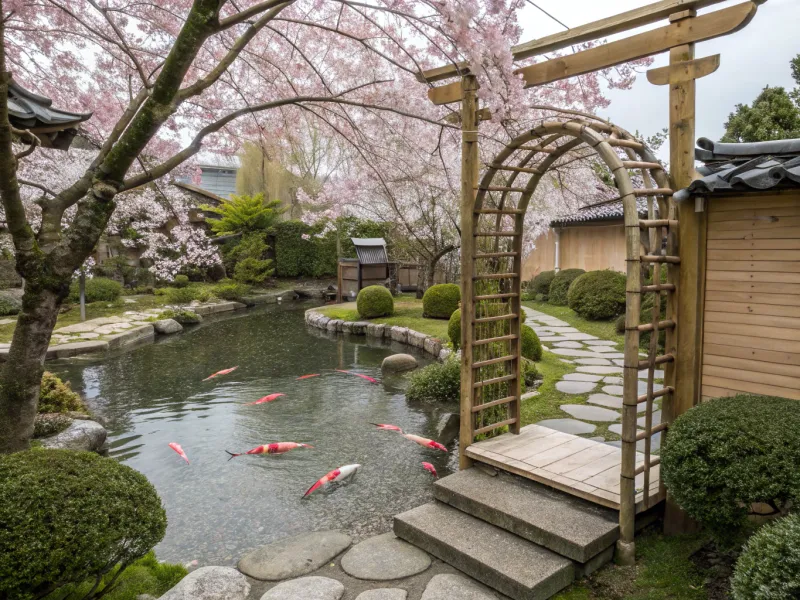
[(218, 509)]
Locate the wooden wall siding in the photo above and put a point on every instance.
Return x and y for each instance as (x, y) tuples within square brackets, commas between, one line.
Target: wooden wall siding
[(585, 247), (751, 331)]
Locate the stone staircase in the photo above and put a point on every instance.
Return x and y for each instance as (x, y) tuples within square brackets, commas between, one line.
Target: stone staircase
[(523, 539)]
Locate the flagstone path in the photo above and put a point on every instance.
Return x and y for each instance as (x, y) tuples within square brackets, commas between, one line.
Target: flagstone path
[(598, 372)]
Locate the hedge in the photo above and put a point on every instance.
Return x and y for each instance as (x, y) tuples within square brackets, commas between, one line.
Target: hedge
[(598, 295), (726, 454), (560, 285), (374, 301), (98, 289), (541, 284), (440, 301)]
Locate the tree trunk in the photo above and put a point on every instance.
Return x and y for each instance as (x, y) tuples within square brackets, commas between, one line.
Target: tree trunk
[(425, 278), (21, 375)]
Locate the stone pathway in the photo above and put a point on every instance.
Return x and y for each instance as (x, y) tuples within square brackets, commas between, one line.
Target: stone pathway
[(598, 373)]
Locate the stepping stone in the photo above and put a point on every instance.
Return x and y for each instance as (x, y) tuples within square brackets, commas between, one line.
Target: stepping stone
[(611, 402), (210, 583), (552, 338), (564, 330), (305, 588), (657, 374), (295, 556), (613, 380), (528, 395), (656, 419), (617, 390), (618, 355), (78, 328), (575, 353), (553, 322), (601, 343), (450, 587), (575, 387), (384, 557), (594, 361), (569, 345), (572, 426), (601, 370), (579, 336), (605, 349), (590, 413), (383, 594), (582, 377), (89, 335), (619, 362)]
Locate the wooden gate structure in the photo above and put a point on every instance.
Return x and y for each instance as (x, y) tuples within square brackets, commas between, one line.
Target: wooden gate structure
[(493, 208)]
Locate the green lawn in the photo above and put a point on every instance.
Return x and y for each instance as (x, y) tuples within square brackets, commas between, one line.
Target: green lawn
[(407, 313)]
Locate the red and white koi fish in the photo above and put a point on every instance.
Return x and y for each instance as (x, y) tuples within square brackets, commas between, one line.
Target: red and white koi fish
[(370, 379), (275, 448), (387, 427), (430, 469), (177, 447), (425, 442), (223, 372), (308, 376), (269, 398), (345, 472)]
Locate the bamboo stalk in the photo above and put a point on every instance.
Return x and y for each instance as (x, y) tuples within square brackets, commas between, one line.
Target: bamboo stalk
[(635, 164), (656, 394), (494, 426), (502, 338), (492, 381), (496, 318), (501, 401), (496, 296)]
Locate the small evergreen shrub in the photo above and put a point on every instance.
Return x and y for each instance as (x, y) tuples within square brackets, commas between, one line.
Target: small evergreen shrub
[(252, 271), (769, 566), (184, 317), (98, 289), (233, 292), (454, 329), (186, 295), (180, 281), (9, 304), (619, 325), (67, 516), (529, 374), (531, 346), (598, 295), (560, 285), (438, 382), (440, 301), (541, 284), (726, 454), (374, 301), (56, 396)]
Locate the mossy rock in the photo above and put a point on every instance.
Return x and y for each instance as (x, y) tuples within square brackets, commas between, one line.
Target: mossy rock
[(598, 295), (560, 285), (184, 317), (440, 301), (374, 301)]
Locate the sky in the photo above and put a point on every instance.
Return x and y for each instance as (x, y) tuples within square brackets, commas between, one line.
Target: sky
[(752, 58)]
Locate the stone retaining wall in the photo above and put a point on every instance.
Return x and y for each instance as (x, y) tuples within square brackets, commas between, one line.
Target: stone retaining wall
[(428, 344)]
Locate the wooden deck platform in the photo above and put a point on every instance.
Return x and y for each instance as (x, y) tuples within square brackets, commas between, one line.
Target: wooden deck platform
[(572, 464)]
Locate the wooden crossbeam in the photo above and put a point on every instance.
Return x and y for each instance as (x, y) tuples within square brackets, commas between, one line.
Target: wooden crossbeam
[(684, 71)]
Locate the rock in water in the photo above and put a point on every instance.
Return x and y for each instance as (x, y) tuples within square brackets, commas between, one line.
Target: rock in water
[(80, 435), (167, 326), (450, 587), (306, 588), (211, 583), (384, 557), (397, 363), (448, 428), (295, 556)]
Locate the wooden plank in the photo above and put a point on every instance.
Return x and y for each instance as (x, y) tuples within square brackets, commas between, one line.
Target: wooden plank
[(710, 392), (541, 445), (789, 233), (750, 319), (742, 341), (768, 244), (755, 298), (755, 331), (760, 287), (584, 472), (752, 388), (542, 459), (683, 71), (752, 201), (751, 308), (771, 255), (579, 459), (727, 346), (755, 224), (757, 276), (759, 266), (747, 364), (749, 214), (784, 381)]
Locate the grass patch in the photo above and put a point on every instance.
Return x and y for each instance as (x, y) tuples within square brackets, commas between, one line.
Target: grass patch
[(407, 313), (605, 330)]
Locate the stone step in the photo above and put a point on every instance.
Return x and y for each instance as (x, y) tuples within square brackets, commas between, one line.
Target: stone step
[(501, 560), (565, 524)]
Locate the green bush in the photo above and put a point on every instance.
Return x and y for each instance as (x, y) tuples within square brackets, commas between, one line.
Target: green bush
[(531, 346), (233, 292), (438, 382), (560, 285), (180, 281), (9, 304), (441, 300), (541, 284), (55, 396), (769, 566), (530, 373), (184, 317), (619, 324), (726, 454), (253, 271), (186, 295), (374, 301), (67, 516), (98, 289), (454, 329), (598, 295)]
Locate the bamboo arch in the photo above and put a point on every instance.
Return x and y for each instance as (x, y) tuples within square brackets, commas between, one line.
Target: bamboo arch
[(491, 319)]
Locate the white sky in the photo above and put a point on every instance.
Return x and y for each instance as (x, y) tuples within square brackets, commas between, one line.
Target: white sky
[(752, 58)]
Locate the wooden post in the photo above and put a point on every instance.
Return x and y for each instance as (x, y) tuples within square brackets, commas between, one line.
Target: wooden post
[(469, 183)]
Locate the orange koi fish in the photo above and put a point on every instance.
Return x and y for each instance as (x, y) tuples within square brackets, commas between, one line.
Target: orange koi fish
[(275, 448), (370, 379), (345, 472), (425, 442), (387, 427), (223, 372), (307, 376), (430, 469), (177, 447), (269, 398)]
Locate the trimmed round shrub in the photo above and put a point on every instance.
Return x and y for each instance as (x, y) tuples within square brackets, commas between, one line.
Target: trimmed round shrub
[(98, 289), (726, 454), (438, 382), (598, 295), (560, 285), (769, 566), (531, 346), (67, 516), (180, 281), (541, 284), (9, 304), (233, 292), (619, 325), (374, 301), (55, 396), (454, 329), (440, 301)]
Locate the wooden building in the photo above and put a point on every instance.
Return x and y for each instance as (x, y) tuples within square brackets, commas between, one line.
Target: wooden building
[(747, 208), (370, 268), (591, 239)]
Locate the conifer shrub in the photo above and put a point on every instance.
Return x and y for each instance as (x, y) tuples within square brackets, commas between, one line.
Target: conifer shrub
[(598, 295), (233, 292), (560, 285), (56, 396), (440, 301), (541, 285), (374, 301)]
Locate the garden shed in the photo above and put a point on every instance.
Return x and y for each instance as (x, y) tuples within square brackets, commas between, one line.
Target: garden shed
[(372, 267), (747, 286)]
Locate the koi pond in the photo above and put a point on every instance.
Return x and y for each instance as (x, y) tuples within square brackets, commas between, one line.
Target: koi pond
[(220, 508)]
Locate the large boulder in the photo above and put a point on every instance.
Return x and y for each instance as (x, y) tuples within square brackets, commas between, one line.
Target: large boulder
[(398, 363), (294, 556), (167, 326), (80, 435), (211, 583)]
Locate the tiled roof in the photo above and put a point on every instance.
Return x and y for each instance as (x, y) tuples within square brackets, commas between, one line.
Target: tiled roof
[(27, 110), (371, 251), (752, 167), (597, 213)]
